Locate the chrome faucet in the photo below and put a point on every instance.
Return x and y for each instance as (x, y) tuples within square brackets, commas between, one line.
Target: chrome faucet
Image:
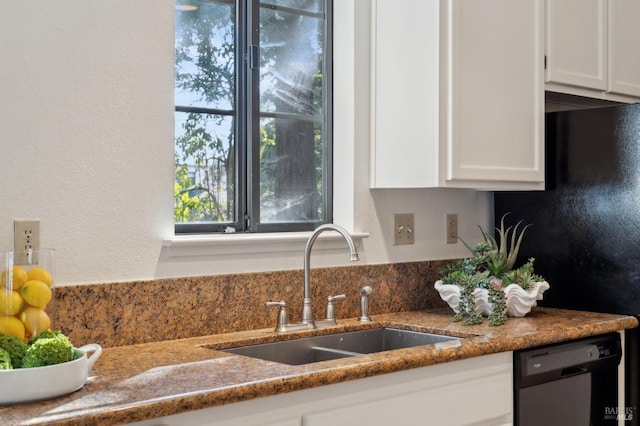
[(306, 320), (307, 309)]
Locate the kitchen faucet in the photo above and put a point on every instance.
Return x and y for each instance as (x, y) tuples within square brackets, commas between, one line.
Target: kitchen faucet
[(307, 309), (306, 320)]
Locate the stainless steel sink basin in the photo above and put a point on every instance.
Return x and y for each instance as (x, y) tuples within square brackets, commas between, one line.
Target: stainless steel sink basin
[(340, 345)]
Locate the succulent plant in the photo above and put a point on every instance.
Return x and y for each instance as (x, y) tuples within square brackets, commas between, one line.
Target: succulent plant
[(499, 256), (491, 267)]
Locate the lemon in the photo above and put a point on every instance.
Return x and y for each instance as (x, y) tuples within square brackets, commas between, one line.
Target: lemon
[(11, 326), (10, 302), (35, 320), (36, 293), (19, 278), (40, 274)]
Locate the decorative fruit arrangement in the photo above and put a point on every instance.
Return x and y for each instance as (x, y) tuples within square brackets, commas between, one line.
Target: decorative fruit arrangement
[(24, 296)]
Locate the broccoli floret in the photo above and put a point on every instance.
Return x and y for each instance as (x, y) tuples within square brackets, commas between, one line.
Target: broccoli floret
[(48, 351), (5, 360), (15, 347), (46, 334)]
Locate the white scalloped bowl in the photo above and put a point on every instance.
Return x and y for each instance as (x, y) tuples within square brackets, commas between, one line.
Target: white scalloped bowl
[(519, 301), (33, 384)]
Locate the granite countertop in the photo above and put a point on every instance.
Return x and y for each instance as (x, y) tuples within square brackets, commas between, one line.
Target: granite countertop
[(138, 382)]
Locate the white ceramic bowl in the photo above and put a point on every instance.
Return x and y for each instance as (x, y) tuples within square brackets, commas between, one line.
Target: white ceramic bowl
[(32, 384)]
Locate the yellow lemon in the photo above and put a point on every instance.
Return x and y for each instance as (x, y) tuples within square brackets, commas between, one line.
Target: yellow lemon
[(35, 320), (10, 302), (36, 293), (11, 326), (19, 278), (40, 274)]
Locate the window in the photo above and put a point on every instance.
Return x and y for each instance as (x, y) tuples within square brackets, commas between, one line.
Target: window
[(252, 115)]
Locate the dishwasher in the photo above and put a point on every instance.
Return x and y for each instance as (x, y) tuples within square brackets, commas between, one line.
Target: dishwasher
[(573, 383)]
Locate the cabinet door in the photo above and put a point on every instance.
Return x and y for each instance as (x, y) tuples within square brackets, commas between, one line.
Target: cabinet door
[(624, 55), (405, 80), (476, 391), (495, 92), (457, 94), (576, 43)]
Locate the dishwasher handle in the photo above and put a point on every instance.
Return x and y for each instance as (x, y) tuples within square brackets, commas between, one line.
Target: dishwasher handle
[(572, 371)]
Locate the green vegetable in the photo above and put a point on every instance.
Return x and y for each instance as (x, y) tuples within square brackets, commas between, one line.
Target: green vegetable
[(15, 347), (5, 360), (48, 348)]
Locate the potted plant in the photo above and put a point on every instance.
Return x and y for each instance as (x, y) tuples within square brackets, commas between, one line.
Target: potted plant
[(487, 283)]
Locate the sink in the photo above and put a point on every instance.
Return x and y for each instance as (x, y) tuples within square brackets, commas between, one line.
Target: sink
[(340, 345)]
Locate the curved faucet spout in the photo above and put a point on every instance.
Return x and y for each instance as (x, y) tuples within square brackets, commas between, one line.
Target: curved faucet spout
[(307, 311)]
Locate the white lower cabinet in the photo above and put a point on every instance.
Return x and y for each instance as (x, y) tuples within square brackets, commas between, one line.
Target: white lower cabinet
[(476, 391)]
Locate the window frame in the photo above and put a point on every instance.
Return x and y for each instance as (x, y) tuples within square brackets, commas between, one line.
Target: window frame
[(247, 112)]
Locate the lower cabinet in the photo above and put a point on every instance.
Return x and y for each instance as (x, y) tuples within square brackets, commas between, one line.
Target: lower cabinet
[(475, 391)]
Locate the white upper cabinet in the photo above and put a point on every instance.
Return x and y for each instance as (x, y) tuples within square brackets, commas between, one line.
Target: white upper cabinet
[(624, 53), (591, 48), (576, 43), (457, 94)]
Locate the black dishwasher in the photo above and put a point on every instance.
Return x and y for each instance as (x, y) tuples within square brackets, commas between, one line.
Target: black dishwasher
[(568, 384)]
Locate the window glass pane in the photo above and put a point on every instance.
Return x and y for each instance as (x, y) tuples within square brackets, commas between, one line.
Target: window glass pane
[(291, 62), (205, 168), (205, 183), (292, 112), (291, 171), (205, 55)]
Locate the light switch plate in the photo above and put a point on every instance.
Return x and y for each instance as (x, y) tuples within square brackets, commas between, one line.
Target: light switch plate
[(403, 229)]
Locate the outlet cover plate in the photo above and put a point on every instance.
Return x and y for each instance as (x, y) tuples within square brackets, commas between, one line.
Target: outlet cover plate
[(26, 236), (452, 228)]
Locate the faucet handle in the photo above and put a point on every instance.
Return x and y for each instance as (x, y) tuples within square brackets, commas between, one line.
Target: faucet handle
[(331, 312), (283, 318)]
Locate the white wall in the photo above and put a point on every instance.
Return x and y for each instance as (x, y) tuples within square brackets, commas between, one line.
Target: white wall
[(86, 130)]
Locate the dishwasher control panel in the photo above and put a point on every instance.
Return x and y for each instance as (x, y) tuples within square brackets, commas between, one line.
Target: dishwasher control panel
[(569, 358)]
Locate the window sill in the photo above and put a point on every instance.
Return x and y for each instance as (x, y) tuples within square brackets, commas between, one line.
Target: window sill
[(233, 244)]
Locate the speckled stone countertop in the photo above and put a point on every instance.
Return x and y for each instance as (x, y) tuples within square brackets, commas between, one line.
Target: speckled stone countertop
[(142, 381)]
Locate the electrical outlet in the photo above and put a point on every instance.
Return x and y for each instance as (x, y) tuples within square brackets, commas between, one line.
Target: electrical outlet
[(26, 237), (452, 228), (403, 228)]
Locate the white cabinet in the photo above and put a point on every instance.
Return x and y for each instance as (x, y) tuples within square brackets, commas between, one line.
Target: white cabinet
[(624, 55), (475, 391), (576, 43), (591, 48), (457, 94)]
